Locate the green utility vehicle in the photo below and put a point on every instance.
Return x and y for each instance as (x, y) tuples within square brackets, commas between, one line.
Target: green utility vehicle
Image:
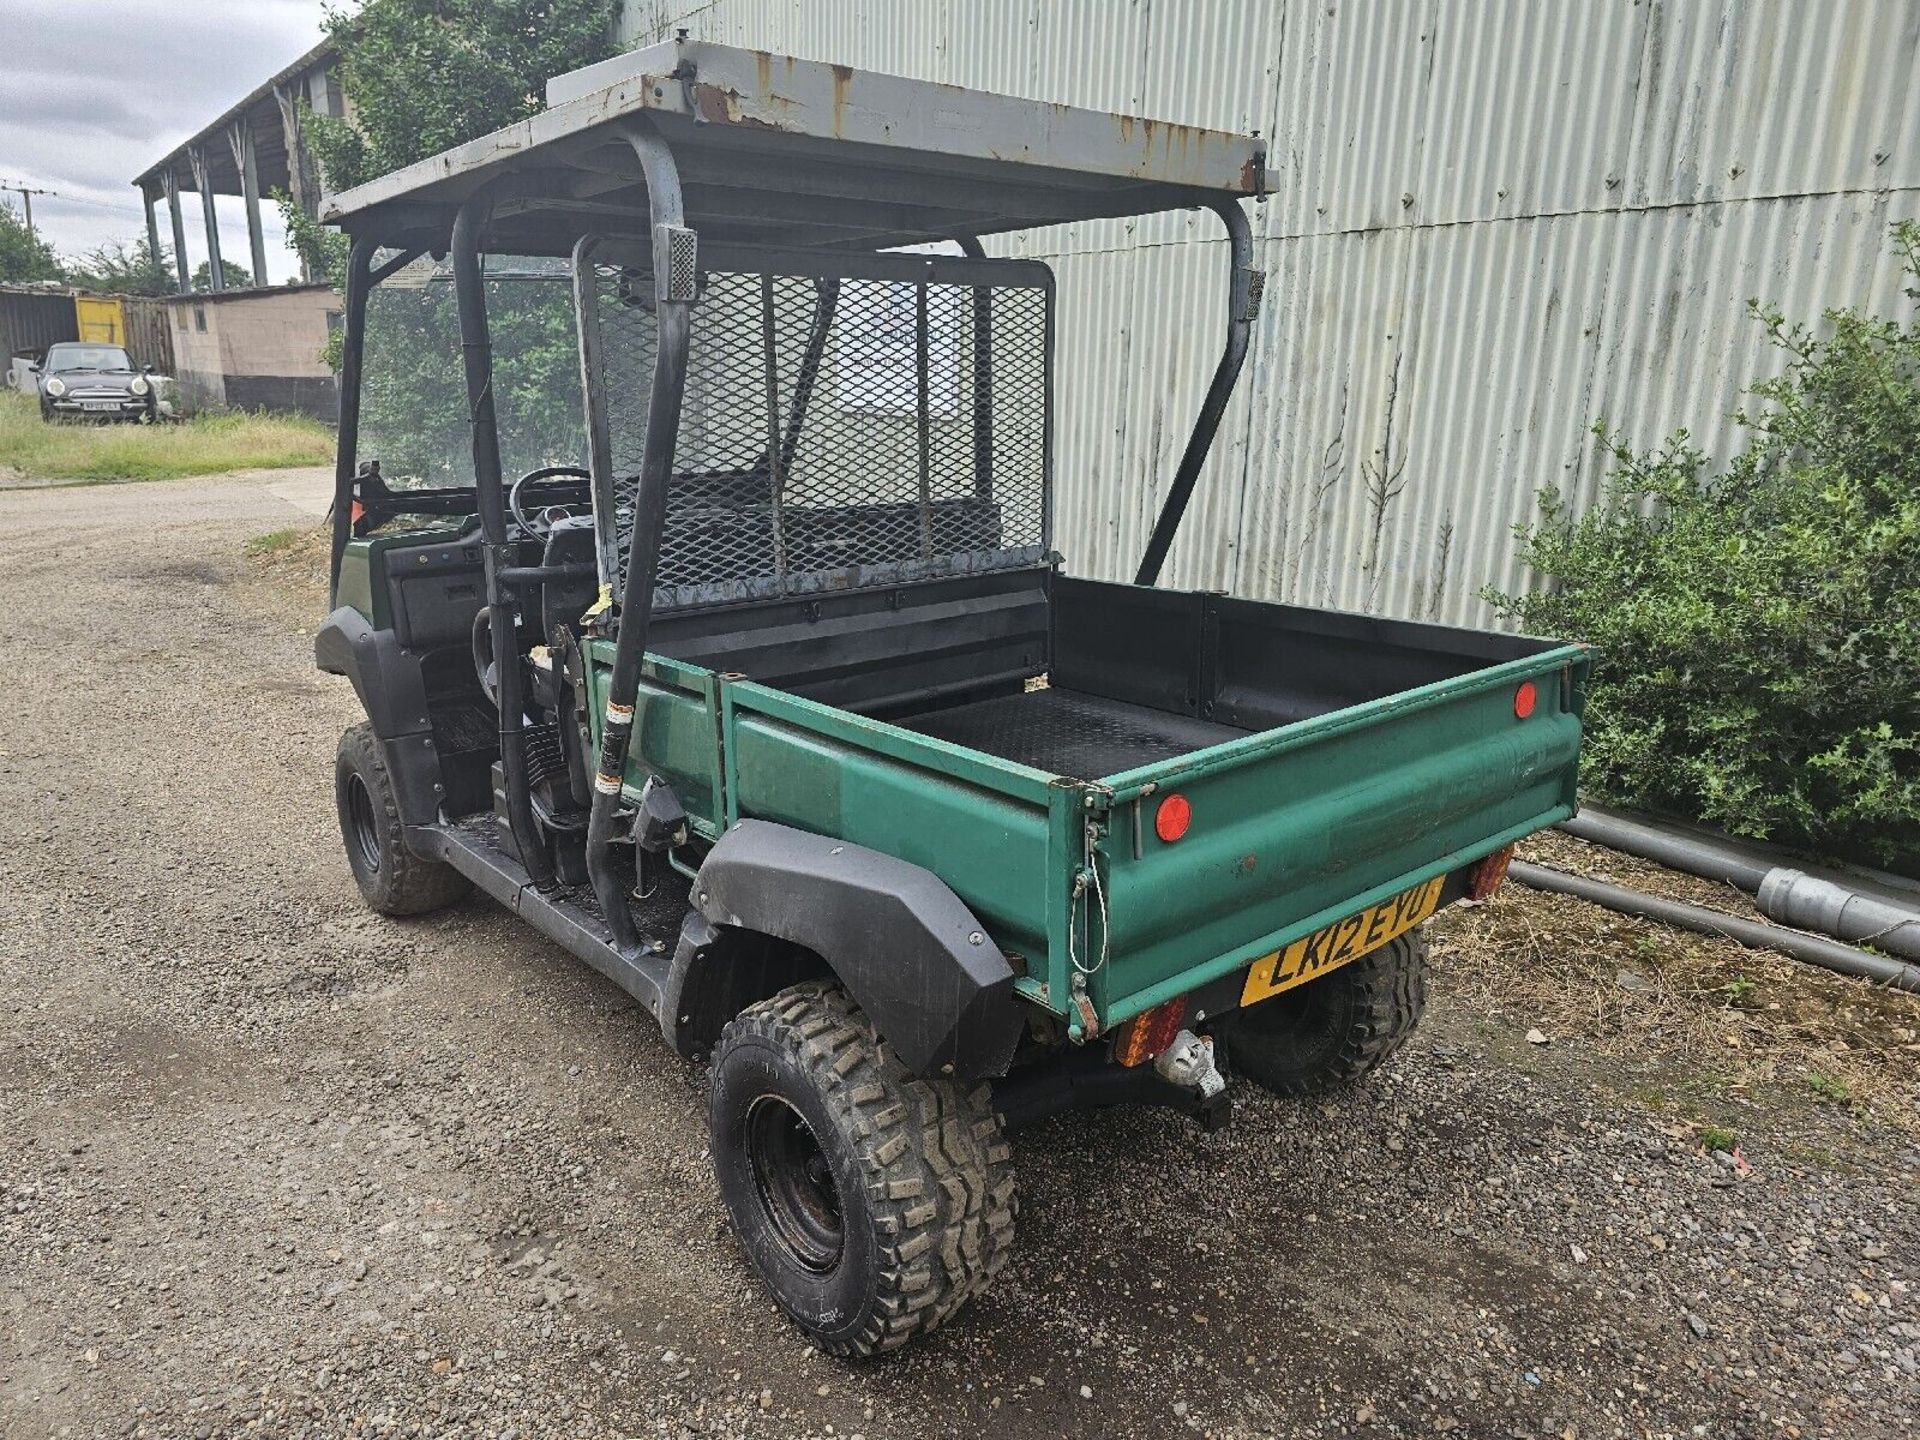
[(783, 712)]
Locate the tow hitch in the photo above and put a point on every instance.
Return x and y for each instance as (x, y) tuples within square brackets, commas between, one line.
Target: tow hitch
[(1183, 1077)]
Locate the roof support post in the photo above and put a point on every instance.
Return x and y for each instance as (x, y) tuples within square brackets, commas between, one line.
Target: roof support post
[(240, 138), (153, 225), (171, 184), (498, 551), (197, 157), (675, 266), (353, 345), (971, 247), (299, 165), (1244, 287)]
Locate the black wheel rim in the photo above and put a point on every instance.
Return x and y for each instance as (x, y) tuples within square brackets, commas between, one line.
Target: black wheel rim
[(794, 1182), (364, 834)]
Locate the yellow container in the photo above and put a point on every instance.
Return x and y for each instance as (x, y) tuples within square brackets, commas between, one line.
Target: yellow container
[(100, 319)]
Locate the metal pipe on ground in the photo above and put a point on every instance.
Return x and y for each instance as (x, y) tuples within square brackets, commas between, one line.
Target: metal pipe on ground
[(1788, 895), (1794, 897), (1667, 847), (1754, 934)]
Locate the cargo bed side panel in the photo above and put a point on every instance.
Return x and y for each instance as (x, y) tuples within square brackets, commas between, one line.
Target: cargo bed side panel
[(981, 825), (1296, 828)]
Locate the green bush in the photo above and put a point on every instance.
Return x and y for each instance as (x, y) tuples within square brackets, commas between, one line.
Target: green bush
[(1760, 622)]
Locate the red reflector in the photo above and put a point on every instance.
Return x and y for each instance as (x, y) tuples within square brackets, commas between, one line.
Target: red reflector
[(357, 512), (1486, 876), (1142, 1038), (1173, 817), (1524, 699)]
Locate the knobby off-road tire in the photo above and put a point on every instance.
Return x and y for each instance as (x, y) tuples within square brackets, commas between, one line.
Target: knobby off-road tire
[(392, 878), (873, 1203), (1333, 1030)]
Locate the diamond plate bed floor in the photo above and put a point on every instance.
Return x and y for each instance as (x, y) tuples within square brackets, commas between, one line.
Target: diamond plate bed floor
[(1068, 732)]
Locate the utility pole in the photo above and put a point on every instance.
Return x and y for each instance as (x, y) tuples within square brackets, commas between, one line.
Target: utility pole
[(26, 194)]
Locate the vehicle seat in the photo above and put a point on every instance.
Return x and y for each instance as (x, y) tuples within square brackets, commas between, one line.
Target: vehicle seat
[(563, 602)]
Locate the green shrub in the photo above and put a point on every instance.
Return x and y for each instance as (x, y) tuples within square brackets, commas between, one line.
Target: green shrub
[(1760, 623)]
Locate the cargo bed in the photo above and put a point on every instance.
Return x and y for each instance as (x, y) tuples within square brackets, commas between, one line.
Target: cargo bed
[(975, 727)]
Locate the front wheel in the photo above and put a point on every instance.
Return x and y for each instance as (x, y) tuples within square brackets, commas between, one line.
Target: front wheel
[(873, 1203), (392, 879), (1336, 1029)]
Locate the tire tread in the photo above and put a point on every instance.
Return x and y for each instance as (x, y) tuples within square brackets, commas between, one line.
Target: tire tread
[(938, 1175)]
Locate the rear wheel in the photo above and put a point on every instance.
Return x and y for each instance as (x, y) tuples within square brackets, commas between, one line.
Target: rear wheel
[(873, 1203), (392, 878), (1333, 1030)]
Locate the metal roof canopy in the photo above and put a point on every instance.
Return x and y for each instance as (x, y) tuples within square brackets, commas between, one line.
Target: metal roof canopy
[(776, 150)]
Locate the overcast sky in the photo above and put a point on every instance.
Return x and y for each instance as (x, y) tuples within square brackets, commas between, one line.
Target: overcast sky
[(93, 93)]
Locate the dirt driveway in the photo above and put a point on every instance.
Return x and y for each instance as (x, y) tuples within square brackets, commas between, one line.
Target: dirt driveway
[(272, 1165)]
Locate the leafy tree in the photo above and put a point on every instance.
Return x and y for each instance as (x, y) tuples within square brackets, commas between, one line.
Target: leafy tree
[(1760, 667), (237, 276), (322, 250), (427, 74), (24, 256), (424, 75), (124, 268), (413, 395)]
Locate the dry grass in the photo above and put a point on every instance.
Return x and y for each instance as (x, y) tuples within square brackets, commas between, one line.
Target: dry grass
[(1699, 1014), (293, 560), (70, 453)]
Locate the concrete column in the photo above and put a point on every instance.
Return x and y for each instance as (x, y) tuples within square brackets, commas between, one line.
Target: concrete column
[(203, 182), (240, 137), (153, 224), (172, 183), (299, 165)]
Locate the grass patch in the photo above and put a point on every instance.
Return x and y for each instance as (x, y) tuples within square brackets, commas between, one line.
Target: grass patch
[(294, 560), (204, 445), (273, 542), (1830, 1087), (1717, 1137)]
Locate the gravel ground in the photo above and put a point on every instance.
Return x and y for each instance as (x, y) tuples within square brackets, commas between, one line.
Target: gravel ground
[(272, 1165)]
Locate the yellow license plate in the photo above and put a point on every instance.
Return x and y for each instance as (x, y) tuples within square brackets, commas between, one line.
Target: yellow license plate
[(1345, 940)]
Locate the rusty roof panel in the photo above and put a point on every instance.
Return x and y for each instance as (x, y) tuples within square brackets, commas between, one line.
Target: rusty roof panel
[(719, 100)]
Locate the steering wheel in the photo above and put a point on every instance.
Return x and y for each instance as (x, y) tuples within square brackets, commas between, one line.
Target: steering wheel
[(541, 525)]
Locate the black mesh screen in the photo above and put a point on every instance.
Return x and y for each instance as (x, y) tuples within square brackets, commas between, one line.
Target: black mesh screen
[(836, 430)]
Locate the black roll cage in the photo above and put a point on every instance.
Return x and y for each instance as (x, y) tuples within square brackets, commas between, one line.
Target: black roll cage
[(664, 222)]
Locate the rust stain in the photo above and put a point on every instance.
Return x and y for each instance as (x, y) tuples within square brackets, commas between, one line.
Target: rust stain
[(1250, 175), (722, 107), (763, 70), (842, 81), (1126, 127)]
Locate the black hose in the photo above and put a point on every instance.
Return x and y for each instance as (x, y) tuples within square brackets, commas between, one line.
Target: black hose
[(1754, 934)]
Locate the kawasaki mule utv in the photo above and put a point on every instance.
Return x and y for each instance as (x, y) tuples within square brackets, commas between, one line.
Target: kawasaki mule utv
[(783, 712)]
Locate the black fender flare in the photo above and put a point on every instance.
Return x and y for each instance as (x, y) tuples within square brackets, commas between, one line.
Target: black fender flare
[(393, 690), (905, 946)]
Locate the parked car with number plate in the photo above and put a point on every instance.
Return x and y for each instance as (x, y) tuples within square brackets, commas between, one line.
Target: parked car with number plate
[(80, 380)]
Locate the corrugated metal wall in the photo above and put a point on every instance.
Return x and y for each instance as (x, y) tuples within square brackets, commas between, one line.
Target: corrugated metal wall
[(33, 319), (1497, 221)]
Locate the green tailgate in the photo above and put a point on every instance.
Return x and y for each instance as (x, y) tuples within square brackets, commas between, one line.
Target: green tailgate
[(1295, 828)]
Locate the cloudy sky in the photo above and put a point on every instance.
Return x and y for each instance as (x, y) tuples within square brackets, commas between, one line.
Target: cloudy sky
[(92, 94)]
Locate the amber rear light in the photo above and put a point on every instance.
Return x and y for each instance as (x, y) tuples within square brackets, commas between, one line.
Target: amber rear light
[(1143, 1038), (1488, 875), (1173, 817), (1524, 699)]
